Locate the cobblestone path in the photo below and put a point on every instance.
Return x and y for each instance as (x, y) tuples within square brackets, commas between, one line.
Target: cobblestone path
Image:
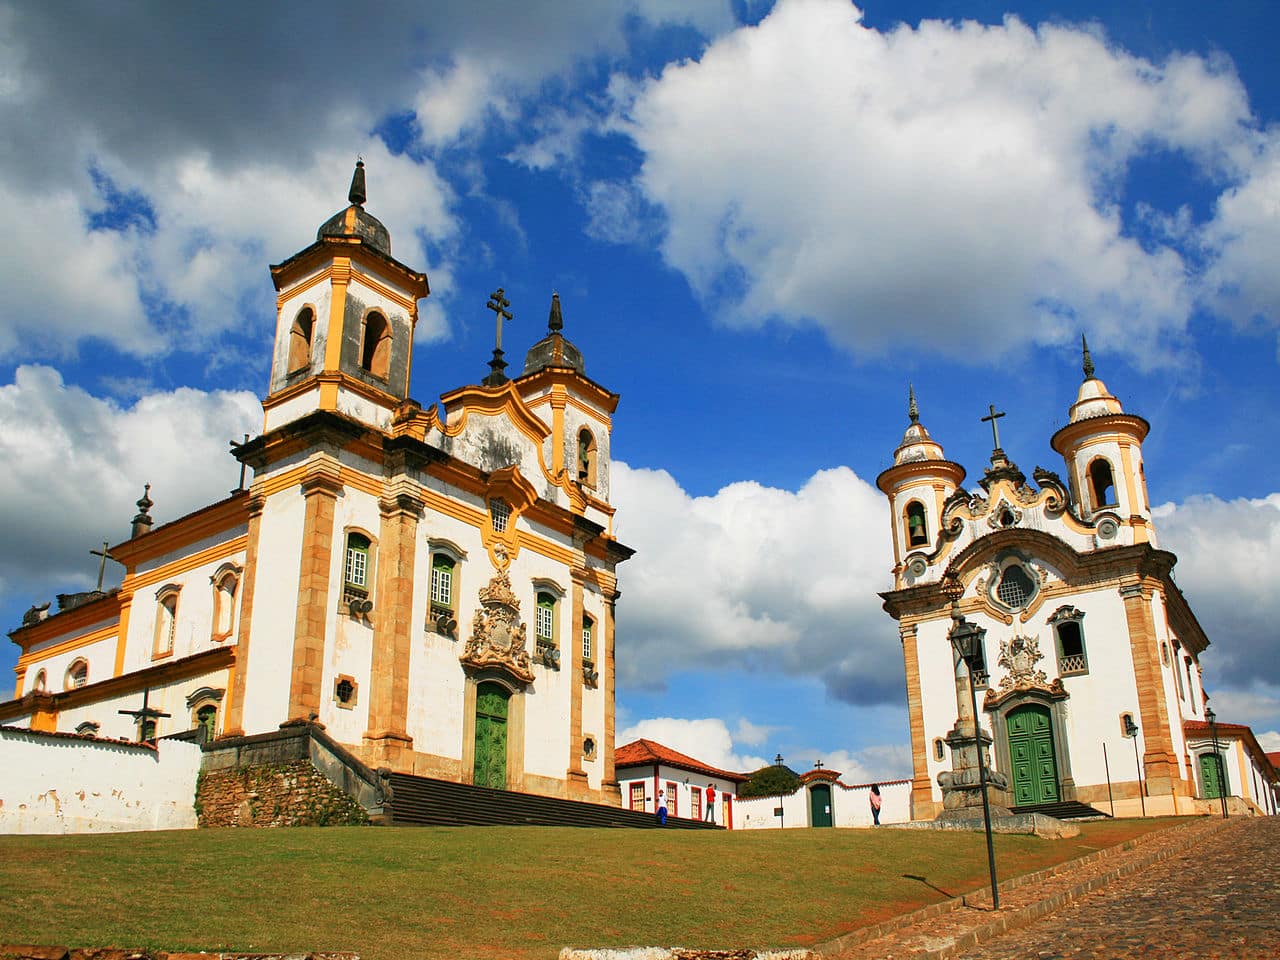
[(1217, 900)]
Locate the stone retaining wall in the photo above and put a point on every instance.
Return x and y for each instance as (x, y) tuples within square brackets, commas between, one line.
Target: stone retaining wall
[(291, 794)]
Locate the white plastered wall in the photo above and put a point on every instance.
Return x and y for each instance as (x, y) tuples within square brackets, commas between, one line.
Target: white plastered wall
[(99, 655), (72, 785)]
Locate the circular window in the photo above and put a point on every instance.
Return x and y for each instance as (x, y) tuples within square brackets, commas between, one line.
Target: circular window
[(1015, 587)]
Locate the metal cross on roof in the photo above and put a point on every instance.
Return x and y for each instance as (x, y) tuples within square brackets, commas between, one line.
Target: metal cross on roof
[(144, 714), (102, 564), (498, 303), (995, 430)]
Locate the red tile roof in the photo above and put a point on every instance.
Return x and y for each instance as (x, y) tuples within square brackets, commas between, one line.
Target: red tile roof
[(1275, 760), (1234, 731), (639, 753)]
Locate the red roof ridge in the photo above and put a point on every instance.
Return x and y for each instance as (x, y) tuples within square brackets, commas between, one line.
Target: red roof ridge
[(644, 750)]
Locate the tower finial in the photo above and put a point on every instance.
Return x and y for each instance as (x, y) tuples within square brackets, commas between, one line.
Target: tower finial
[(357, 194), (1088, 360), (142, 522), (555, 322), (913, 411)]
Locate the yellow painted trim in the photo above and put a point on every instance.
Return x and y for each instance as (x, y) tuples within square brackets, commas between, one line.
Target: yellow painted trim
[(66, 646), (122, 633), (19, 674), (400, 299), (340, 273), (558, 400), (185, 564), (572, 401)]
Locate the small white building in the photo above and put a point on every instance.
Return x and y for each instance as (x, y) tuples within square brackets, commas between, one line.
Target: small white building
[(645, 768), (824, 800)]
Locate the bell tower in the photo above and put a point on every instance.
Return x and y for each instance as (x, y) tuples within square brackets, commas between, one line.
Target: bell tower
[(1102, 447), (345, 315), (917, 485)]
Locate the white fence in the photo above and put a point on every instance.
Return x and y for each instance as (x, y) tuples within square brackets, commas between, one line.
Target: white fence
[(63, 783)]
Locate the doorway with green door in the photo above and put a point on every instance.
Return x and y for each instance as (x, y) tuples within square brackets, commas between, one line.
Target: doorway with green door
[(493, 703), (1033, 762), (1213, 777)]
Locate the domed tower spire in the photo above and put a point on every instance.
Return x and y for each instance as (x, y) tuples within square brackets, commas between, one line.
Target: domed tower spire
[(357, 192), (1102, 447), (344, 327), (917, 485)]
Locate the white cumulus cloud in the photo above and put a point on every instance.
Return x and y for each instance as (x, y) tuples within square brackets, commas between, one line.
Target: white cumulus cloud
[(954, 185)]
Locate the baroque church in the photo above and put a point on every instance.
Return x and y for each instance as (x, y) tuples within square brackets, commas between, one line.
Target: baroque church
[(1088, 681), (435, 587)]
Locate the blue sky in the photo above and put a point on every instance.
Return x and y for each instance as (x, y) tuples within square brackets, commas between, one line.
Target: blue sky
[(763, 220)]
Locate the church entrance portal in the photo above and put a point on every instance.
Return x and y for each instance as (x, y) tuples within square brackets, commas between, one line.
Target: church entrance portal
[(1211, 776), (492, 701), (1031, 756), (820, 805)]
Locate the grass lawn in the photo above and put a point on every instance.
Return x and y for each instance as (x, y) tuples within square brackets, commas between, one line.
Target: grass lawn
[(492, 892)]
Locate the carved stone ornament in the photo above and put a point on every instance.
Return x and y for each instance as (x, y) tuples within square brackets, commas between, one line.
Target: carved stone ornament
[(1019, 656), (497, 635), (997, 517)]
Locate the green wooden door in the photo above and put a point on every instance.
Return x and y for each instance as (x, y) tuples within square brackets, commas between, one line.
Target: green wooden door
[(1035, 768), (1211, 775), (491, 736), (820, 805)]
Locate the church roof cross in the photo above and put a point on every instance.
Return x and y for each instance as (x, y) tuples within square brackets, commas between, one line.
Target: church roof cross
[(992, 417), (498, 303), (105, 554)]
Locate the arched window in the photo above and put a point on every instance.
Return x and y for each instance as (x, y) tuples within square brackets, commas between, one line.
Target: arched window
[(444, 587), (166, 621), (917, 528), (345, 690), (88, 729), (939, 749), (1068, 630), (586, 457), (588, 639), (1102, 483), (546, 625), (207, 722), (375, 350), (77, 674), (225, 584), (41, 682), (356, 573), (300, 340)]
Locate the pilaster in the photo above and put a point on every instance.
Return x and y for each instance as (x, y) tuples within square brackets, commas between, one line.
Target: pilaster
[(401, 508), (575, 775), (610, 790), (921, 785), (321, 488), (1158, 760), (233, 718)]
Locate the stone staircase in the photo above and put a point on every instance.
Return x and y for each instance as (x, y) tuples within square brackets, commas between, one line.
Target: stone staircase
[(422, 801), (1064, 810)]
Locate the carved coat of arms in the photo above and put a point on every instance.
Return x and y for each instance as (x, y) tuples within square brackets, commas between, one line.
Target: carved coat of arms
[(1019, 656), (497, 635)]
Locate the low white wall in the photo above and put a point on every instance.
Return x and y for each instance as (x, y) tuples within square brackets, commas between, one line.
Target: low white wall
[(852, 807), (55, 783)]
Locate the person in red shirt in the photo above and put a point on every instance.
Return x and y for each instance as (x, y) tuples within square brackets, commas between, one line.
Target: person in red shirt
[(711, 803)]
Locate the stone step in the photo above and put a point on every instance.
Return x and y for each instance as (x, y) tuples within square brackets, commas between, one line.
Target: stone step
[(424, 801), (1064, 810)]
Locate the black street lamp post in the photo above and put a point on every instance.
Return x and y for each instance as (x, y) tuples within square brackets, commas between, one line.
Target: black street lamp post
[(967, 638), (1131, 731), (1217, 758)]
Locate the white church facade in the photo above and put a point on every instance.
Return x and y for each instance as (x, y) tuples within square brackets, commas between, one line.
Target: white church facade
[(1091, 651), (435, 587)]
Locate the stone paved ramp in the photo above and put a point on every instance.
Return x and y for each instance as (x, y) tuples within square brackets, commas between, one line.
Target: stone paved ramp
[(1218, 899), (1165, 897)]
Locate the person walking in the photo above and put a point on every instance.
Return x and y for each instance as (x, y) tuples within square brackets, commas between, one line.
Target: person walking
[(711, 803), (662, 808), (875, 804)]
